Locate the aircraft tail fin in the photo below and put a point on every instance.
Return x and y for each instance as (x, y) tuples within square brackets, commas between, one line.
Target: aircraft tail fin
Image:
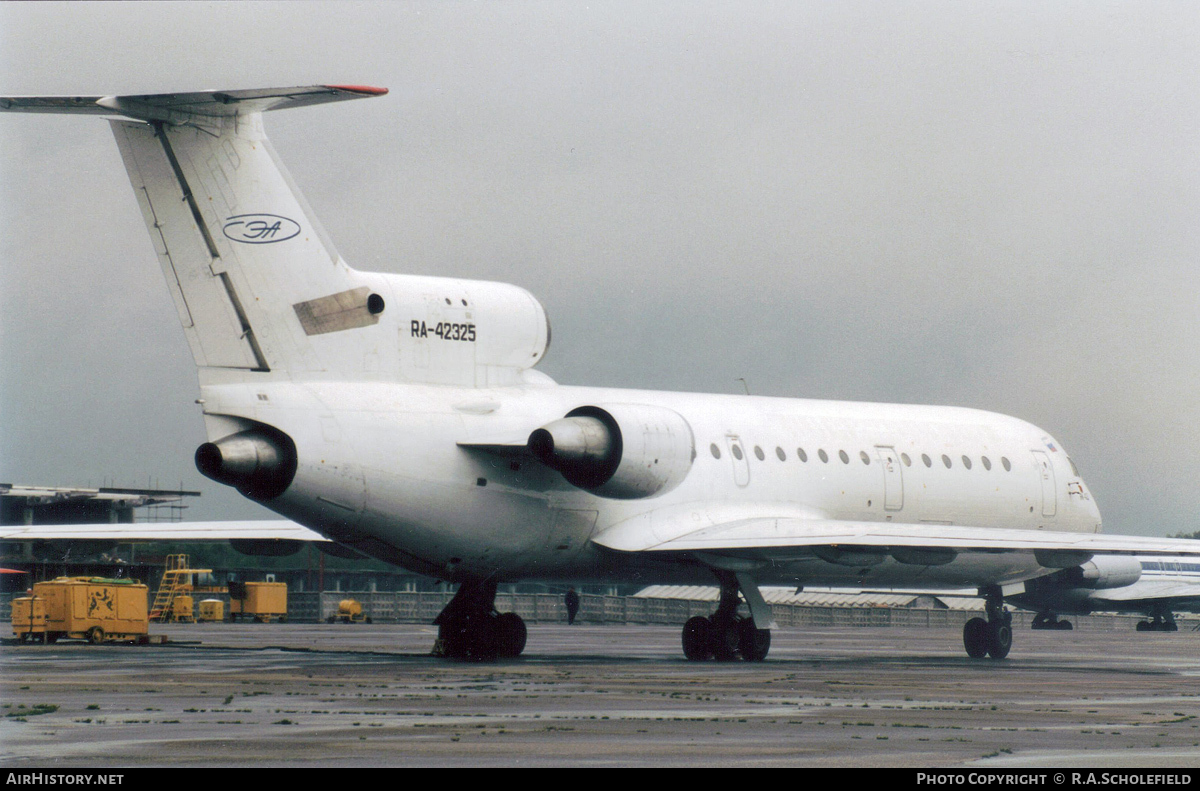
[(259, 288), (238, 245)]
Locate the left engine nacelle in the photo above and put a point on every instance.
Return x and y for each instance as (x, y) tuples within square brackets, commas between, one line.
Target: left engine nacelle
[(260, 463), (623, 451), (1103, 572)]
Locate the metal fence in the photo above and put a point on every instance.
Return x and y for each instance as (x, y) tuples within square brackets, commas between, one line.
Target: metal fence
[(408, 607)]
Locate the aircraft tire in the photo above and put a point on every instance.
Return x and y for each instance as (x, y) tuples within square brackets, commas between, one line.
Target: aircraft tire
[(697, 638), (95, 635), (1144, 626), (975, 638), (1065, 626), (471, 639), (999, 639), (511, 635), (753, 643), (726, 640)]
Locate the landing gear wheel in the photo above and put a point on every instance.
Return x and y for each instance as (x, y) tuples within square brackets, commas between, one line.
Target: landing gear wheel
[(1049, 621), (753, 643), (95, 635), (999, 639), (1144, 626), (473, 639), (726, 640), (975, 638), (697, 638), (510, 635)]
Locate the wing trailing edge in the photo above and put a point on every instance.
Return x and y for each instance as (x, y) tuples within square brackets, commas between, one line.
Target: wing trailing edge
[(165, 531)]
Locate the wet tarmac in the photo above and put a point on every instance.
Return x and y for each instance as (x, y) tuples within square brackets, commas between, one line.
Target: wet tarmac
[(362, 695)]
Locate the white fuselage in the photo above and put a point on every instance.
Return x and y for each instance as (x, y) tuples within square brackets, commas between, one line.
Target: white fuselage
[(380, 469)]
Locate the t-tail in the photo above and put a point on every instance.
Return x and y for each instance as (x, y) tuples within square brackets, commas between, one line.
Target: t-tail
[(261, 291)]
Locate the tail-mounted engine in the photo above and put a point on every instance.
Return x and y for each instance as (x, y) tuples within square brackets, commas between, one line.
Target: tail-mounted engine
[(623, 451), (259, 462)]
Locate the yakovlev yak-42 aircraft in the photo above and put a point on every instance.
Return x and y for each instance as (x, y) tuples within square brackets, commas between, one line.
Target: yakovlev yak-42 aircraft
[(402, 416)]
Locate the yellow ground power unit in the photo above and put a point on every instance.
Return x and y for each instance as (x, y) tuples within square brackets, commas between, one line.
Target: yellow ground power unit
[(89, 608), (262, 601), (211, 610), (183, 610)]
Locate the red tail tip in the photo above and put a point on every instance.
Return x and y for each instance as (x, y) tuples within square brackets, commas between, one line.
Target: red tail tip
[(360, 89)]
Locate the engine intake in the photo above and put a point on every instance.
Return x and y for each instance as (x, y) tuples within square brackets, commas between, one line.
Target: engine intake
[(260, 463), (622, 451)]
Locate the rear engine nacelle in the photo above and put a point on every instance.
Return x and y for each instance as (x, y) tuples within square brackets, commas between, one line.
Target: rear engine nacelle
[(1103, 572), (260, 462), (623, 451)]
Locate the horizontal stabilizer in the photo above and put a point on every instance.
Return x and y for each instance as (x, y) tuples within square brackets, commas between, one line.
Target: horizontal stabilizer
[(181, 107)]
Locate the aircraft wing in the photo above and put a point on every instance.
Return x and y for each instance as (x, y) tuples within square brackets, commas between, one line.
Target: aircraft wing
[(1178, 594), (778, 539), (164, 531)]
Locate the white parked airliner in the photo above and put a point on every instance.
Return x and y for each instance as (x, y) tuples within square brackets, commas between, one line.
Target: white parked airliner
[(402, 417)]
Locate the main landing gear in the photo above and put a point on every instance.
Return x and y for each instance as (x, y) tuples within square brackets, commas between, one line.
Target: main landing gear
[(470, 628), (1160, 621), (991, 637), (725, 635), (1049, 620)]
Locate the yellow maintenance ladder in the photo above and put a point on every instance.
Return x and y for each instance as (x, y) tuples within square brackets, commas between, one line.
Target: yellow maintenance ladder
[(176, 582)]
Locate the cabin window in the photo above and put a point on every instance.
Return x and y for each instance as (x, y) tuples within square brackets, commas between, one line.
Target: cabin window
[(737, 451), (1007, 464), (759, 453), (842, 455), (907, 461), (862, 454), (824, 456), (946, 461), (779, 452), (987, 463), (803, 456), (925, 459), (967, 462), (716, 452)]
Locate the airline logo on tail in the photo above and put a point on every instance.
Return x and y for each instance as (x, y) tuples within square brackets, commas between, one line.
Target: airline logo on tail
[(260, 228)]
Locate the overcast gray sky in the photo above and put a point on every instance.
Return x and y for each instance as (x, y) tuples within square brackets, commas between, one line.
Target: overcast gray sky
[(993, 205)]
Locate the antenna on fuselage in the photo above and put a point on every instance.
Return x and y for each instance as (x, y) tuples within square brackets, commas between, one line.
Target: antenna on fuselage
[(743, 381)]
